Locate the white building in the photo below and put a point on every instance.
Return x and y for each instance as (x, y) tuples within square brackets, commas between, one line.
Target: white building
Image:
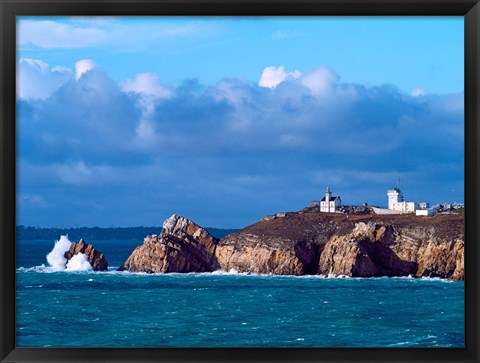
[(395, 196), (426, 212), (329, 203), (396, 202)]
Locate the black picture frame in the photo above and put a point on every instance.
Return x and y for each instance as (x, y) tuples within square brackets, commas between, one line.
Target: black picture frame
[(9, 9)]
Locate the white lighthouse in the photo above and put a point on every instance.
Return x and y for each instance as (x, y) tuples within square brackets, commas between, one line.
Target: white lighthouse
[(328, 195), (397, 203), (395, 196)]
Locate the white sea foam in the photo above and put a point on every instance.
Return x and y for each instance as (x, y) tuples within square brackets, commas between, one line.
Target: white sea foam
[(57, 261), (40, 268), (79, 265), (79, 262), (439, 279), (335, 276), (56, 258), (232, 271)]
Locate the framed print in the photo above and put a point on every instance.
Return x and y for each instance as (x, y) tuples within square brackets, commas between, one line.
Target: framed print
[(259, 181)]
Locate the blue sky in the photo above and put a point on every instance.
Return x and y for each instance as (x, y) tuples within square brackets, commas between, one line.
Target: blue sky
[(125, 121)]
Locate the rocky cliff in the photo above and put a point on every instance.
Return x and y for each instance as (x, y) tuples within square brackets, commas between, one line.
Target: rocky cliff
[(359, 245), (96, 258), (181, 247)]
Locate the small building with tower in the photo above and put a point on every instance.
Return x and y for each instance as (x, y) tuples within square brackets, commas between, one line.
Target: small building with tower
[(329, 203), (397, 203)]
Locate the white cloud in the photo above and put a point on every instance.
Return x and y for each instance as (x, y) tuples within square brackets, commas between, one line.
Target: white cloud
[(77, 173), (234, 91), (84, 66), (147, 84), (32, 199), (36, 80), (320, 81), (82, 32), (146, 137), (419, 91), (452, 103), (272, 76), (192, 143), (37, 64), (49, 34)]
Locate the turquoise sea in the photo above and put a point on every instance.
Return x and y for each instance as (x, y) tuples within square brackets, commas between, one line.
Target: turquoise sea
[(119, 309)]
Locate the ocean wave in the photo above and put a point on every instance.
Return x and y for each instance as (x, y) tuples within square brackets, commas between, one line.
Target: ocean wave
[(56, 257), (49, 269), (112, 270), (438, 279), (57, 261), (79, 262)]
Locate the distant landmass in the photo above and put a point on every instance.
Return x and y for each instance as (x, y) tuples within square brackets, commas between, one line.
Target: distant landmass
[(99, 233)]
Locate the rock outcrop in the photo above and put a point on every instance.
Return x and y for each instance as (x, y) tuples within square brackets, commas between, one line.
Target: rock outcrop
[(182, 246), (354, 245), (361, 245), (96, 258)]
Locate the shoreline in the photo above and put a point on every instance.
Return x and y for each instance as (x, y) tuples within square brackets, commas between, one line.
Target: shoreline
[(42, 269)]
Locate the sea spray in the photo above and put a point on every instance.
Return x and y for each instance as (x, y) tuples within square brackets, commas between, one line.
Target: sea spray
[(56, 257), (79, 262), (57, 261)]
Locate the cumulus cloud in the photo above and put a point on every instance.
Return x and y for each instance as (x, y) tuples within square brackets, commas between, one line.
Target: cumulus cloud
[(83, 66), (37, 80), (146, 84), (149, 90), (319, 81), (197, 149), (272, 76), (90, 118), (419, 91)]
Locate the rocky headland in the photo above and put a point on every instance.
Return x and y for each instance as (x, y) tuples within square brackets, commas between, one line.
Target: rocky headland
[(312, 243), (96, 259), (182, 246)]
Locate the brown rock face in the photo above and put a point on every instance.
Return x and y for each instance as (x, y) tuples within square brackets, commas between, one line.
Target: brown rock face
[(96, 258), (182, 246), (442, 259), (371, 249), (312, 243), (249, 253), (346, 257), (355, 245)]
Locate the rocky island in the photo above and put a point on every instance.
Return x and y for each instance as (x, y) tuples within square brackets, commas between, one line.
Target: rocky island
[(359, 244), (96, 259)]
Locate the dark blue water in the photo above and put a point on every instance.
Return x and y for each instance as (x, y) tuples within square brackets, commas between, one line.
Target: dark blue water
[(113, 309)]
